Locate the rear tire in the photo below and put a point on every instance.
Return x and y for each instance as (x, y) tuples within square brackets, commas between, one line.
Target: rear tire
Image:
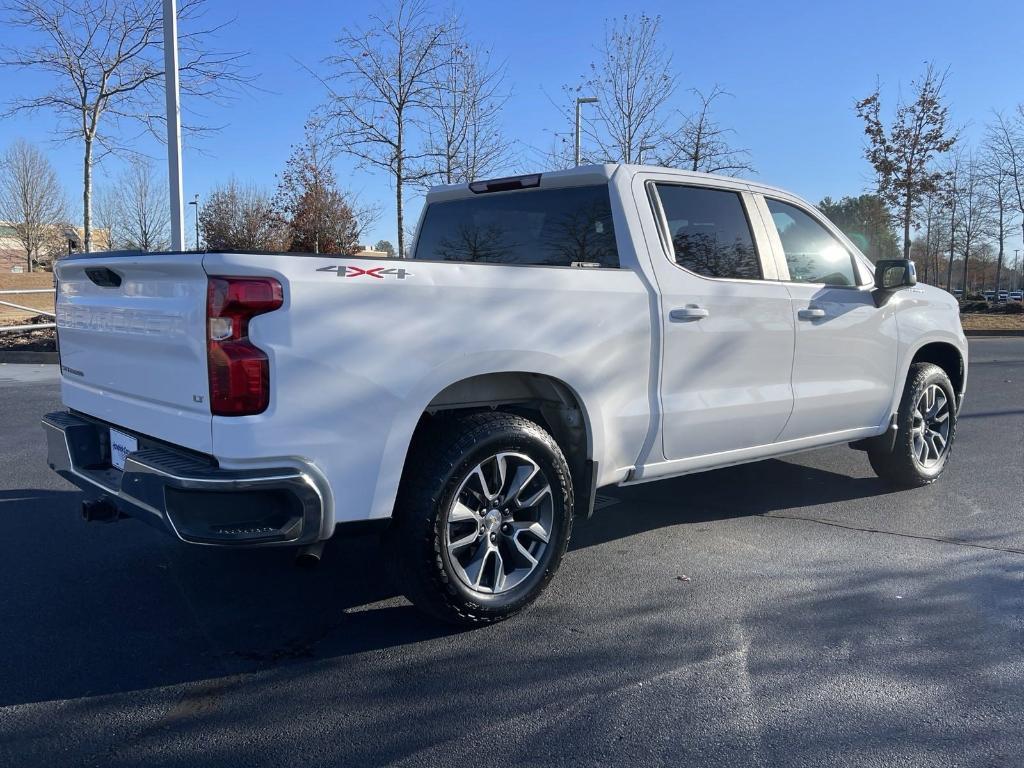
[(926, 428), (483, 517)]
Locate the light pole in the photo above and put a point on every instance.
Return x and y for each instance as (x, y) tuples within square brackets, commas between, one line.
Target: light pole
[(173, 125), (579, 101), (1016, 265), (195, 201), (640, 152)]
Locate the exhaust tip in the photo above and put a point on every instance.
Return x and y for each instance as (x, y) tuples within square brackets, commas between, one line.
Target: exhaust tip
[(309, 556)]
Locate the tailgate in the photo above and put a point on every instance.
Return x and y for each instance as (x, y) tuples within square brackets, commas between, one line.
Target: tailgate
[(133, 343)]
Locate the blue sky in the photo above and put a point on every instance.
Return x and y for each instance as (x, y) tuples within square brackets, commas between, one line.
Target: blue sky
[(794, 70)]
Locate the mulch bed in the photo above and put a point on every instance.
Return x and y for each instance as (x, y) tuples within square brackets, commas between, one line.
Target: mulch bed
[(43, 340)]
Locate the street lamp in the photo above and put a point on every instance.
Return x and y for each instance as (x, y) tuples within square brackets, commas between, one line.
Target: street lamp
[(579, 101), (640, 152), (195, 201), (171, 94), (1016, 264)]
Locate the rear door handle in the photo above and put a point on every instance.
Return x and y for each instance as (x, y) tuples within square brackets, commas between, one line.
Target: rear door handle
[(811, 313), (692, 312)]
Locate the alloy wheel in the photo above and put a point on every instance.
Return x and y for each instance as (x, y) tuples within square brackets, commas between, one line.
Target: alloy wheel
[(930, 429), (499, 523)]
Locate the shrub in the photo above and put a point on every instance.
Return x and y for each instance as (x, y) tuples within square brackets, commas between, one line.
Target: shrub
[(975, 306)]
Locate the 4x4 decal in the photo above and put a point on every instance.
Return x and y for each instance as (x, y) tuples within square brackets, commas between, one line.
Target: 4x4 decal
[(347, 270)]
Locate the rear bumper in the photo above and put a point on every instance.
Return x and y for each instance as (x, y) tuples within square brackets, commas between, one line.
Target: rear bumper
[(187, 495)]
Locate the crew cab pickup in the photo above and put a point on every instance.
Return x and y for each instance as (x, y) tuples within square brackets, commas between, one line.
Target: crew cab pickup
[(547, 335)]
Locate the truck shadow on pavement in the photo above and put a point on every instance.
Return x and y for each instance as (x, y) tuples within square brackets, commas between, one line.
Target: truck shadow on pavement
[(741, 491), (113, 608)]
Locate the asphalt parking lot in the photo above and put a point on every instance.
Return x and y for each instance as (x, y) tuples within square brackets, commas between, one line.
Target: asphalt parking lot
[(790, 612)]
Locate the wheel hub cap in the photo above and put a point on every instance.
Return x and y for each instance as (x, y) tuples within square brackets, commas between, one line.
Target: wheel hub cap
[(492, 521)]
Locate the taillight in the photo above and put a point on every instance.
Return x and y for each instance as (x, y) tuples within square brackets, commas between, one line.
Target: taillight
[(239, 371)]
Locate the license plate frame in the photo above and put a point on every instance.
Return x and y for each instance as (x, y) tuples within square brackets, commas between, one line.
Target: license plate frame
[(121, 444)]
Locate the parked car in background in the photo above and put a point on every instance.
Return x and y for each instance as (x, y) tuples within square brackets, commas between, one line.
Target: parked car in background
[(958, 292), (989, 295), (551, 334), (1016, 296), (1003, 296)]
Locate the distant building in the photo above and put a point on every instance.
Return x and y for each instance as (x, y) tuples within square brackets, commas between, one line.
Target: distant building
[(65, 239), (368, 251)]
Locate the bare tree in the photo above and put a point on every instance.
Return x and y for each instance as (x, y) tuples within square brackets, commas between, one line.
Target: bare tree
[(702, 144), (1001, 195), (138, 209), (464, 136), (384, 76), (242, 218), (903, 154), (31, 198), (932, 215), (104, 59), (633, 82), (106, 213), (975, 211), (1005, 142)]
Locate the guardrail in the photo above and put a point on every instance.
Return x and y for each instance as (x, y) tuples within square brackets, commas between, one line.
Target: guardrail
[(23, 308)]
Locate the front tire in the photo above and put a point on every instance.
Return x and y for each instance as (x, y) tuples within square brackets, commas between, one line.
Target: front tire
[(926, 422), (483, 517)]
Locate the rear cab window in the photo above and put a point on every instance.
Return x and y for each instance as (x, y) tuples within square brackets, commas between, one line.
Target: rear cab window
[(709, 232), (562, 226)]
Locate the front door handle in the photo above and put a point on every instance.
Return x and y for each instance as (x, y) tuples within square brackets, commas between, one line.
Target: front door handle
[(811, 313), (692, 312)]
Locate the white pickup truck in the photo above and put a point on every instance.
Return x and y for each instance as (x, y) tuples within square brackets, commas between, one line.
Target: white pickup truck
[(549, 335)]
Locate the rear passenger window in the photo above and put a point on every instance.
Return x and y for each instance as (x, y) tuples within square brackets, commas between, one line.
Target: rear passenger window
[(812, 253), (710, 232), (554, 227)]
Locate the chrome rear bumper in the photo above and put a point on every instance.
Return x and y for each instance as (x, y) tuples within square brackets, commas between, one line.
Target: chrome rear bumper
[(184, 494)]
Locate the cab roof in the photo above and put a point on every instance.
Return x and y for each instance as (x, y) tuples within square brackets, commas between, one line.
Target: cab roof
[(579, 176)]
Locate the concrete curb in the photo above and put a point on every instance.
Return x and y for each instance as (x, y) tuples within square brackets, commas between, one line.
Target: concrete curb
[(1004, 332), (13, 356)]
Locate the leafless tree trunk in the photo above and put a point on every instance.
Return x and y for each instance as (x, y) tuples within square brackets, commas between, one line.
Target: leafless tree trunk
[(384, 77), (633, 81), (701, 144), (951, 191), (104, 59), (31, 198)]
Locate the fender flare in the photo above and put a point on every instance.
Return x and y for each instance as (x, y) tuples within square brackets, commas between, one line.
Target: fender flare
[(903, 369), (396, 447)]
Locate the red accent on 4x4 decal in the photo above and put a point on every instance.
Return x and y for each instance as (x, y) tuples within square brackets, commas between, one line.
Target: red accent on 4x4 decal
[(347, 270), (371, 272)]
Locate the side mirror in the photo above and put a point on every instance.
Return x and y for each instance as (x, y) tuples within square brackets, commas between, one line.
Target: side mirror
[(893, 274)]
